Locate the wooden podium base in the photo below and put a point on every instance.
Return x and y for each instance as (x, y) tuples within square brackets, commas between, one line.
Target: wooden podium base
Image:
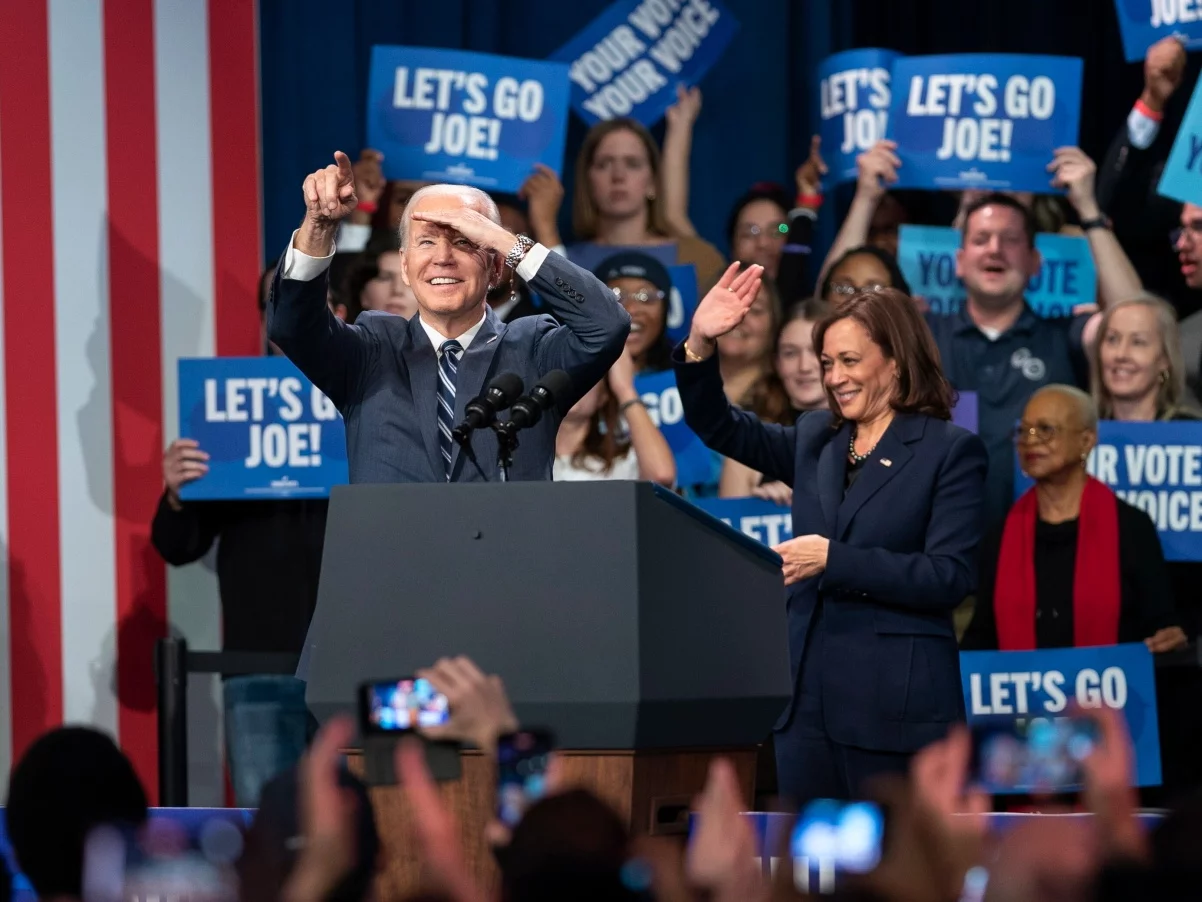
[(651, 790)]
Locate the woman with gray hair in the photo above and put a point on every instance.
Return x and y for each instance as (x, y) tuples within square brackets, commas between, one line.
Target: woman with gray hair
[(1074, 565), (1137, 372)]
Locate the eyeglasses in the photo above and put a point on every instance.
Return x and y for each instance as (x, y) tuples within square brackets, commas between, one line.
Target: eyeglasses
[(848, 289), (641, 296), (1039, 434), (1191, 230), (753, 230)]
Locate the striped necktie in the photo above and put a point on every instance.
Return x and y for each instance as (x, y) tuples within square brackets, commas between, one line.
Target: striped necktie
[(448, 367)]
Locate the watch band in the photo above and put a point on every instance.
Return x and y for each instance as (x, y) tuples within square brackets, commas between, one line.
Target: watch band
[(1099, 222), (517, 253)]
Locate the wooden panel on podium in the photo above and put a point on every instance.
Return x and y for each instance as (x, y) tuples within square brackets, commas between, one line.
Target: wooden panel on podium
[(650, 790)]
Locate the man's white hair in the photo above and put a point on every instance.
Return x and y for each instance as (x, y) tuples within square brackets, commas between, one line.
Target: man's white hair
[(1086, 409), (474, 196)]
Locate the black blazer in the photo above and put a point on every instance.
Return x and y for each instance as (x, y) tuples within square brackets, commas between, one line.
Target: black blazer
[(1146, 593), (902, 556)]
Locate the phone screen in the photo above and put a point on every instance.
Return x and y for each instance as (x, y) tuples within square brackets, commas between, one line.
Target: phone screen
[(1039, 755), (393, 706), (522, 759), (845, 835)]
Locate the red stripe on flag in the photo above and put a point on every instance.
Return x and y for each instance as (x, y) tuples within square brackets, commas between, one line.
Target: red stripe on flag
[(136, 367), (30, 409), (234, 145)]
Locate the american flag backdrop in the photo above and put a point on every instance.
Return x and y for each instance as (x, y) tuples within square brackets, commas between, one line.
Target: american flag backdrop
[(129, 237)]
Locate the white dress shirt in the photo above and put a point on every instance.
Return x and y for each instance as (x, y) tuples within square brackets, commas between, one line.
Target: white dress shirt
[(300, 267)]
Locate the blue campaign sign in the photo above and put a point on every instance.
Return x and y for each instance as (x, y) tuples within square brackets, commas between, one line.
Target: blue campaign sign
[(1158, 468), (694, 461), (1023, 685), (1068, 277), (268, 431), (683, 301), (762, 520), (853, 106), (471, 118), (1182, 175), (1144, 22), (982, 120), (629, 60), (965, 413)]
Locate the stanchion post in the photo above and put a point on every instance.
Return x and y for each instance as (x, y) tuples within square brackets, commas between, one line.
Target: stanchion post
[(171, 669)]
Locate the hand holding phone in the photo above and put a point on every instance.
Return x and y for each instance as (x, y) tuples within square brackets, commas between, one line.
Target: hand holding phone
[(400, 705), (1039, 755), (522, 760)]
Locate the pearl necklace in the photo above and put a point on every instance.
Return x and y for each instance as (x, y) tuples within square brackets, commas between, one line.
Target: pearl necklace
[(855, 458)]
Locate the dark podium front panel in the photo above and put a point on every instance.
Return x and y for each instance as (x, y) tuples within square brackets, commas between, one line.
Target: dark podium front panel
[(617, 614)]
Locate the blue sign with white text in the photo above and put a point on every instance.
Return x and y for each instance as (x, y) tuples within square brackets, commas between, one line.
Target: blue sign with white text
[(683, 301), (470, 118), (853, 106), (1182, 175), (268, 431), (979, 120), (1023, 685), (694, 461), (927, 257), (1144, 22), (628, 61), (1158, 468), (761, 520)]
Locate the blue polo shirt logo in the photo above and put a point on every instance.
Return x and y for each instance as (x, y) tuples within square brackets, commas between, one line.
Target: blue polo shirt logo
[(1031, 367)]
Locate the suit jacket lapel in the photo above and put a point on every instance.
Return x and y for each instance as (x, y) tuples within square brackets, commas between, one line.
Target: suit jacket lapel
[(422, 363), (475, 367), (888, 459), (832, 470)]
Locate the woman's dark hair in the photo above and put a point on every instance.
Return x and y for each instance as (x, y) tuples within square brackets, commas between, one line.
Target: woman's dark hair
[(759, 191), (605, 441), (886, 259), (894, 324)]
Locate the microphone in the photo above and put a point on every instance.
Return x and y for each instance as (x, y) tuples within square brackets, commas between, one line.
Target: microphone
[(481, 411), (547, 392)]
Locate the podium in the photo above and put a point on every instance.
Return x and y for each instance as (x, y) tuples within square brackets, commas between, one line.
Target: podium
[(645, 633)]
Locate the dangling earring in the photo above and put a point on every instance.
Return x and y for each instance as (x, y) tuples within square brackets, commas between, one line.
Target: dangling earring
[(650, 195), (1164, 376)]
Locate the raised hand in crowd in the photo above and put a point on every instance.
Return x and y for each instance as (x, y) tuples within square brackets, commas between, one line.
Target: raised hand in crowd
[(876, 170), (543, 193), (723, 308), (1164, 67), (721, 860), (776, 492), (327, 818), (369, 184), (329, 198), (687, 108), (1109, 792), (183, 462), (1075, 172), (677, 150), (809, 176), (480, 709)]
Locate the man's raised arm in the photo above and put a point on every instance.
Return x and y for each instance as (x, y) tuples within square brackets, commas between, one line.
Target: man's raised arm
[(330, 353)]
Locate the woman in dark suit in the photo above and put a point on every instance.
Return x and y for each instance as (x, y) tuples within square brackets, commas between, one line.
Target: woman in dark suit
[(887, 501)]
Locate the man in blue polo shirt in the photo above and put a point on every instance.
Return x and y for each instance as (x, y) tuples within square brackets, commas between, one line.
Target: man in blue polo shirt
[(996, 345)]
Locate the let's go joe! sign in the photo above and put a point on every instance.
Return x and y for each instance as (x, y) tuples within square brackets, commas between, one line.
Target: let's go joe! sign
[(1015, 685), (268, 431)]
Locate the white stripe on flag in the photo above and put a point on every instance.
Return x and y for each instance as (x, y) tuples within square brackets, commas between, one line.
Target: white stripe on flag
[(188, 327), (85, 433)]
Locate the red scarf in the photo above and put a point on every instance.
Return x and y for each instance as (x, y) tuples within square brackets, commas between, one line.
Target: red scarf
[(1096, 581)]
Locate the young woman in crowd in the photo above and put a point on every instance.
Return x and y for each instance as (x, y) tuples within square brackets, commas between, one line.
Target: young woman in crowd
[(800, 373), (644, 287), (608, 434)]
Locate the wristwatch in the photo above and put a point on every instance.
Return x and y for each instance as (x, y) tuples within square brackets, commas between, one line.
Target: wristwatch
[(1099, 222), (519, 250)]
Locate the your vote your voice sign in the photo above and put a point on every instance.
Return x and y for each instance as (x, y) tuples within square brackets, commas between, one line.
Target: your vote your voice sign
[(268, 431)]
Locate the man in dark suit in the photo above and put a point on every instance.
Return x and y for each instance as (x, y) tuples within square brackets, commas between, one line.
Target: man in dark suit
[(402, 385)]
